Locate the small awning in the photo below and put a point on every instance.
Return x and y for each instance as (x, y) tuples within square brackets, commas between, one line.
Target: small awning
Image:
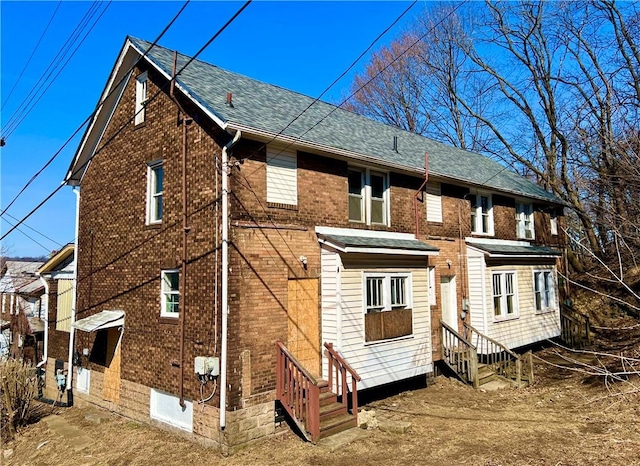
[(378, 245), (104, 319), (512, 250)]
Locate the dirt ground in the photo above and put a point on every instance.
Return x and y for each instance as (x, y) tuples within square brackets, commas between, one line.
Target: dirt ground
[(564, 418)]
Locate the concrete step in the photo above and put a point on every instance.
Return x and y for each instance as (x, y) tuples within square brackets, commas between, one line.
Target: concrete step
[(336, 424)]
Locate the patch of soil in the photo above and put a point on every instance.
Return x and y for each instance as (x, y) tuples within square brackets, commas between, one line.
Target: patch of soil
[(563, 418)]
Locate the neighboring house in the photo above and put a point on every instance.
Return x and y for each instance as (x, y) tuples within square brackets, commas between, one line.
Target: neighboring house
[(57, 275), (21, 310), (178, 312)]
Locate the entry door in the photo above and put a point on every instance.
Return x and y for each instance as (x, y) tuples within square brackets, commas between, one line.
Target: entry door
[(449, 301), (303, 338)]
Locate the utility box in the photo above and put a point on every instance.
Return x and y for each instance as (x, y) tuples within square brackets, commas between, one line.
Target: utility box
[(207, 366)]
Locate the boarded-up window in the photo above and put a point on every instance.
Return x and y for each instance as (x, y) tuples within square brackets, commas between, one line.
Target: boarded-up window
[(388, 324), (387, 306), (433, 202), (282, 176), (64, 303)]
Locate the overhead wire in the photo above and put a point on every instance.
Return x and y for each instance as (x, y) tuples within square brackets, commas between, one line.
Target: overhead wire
[(35, 48), (31, 104), (97, 107), (178, 72)]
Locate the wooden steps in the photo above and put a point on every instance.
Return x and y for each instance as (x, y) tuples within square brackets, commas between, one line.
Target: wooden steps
[(485, 374), (334, 417)]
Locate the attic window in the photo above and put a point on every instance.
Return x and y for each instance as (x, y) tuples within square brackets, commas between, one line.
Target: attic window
[(141, 97)]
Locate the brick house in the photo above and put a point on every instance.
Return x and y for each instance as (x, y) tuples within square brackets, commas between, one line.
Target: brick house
[(334, 235)]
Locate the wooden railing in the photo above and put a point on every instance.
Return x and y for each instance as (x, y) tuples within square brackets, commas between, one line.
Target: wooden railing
[(575, 327), (459, 354), (298, 392), (498, 357), (338, 369)]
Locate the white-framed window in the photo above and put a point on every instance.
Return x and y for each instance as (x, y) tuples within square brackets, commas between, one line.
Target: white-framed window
[(505, 301), (170, 293), (368, 196), (282, 176), (141, 97), (387, 305), (524, 220), (544, 290), (155, 178), (481, 214), (553, 219)]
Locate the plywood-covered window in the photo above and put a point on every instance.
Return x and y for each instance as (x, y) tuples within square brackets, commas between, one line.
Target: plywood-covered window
[(63, 305), (387, 304)]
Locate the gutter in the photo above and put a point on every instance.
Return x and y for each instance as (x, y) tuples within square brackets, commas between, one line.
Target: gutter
[(225, 277), (45, 353)]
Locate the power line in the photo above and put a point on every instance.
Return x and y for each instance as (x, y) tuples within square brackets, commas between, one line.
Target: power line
[(31, 238), (79, 169), (13, 125), (24, 68), (55, 155), (32, 229)]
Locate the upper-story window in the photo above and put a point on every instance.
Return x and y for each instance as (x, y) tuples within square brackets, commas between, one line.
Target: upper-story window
[(368, 196), (553, 218), (154, 192), (141, 97), (481, 214), (282, 176), (544, 290), (524, 220), (505, 303), (170, 293)]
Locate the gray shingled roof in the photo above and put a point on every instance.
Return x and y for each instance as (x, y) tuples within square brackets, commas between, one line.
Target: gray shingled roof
[(271, 108), (383, 243), (515, 250)]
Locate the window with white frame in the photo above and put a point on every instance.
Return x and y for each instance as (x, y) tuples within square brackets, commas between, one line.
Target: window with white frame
[(141, 97), (368, 196), (524, 220), (481, 214), (505, 304), (544, 290), (387, 305), (553, 218), (170, 293), (155, 177)]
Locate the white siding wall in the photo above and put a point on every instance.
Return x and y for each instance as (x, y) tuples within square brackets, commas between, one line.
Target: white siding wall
[(282, 176), (530, 326), (475, 266), (329, 296), (433, 202), (378, 363)]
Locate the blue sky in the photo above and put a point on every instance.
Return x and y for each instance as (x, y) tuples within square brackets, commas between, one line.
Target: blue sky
[(303, 46)]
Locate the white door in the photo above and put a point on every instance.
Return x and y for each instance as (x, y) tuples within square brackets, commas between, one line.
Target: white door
[(449, 301)]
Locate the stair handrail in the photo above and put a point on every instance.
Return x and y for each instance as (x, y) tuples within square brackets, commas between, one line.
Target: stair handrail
[(342, 367), (298, 391), (582, 323), (463, 361), (497, 363)]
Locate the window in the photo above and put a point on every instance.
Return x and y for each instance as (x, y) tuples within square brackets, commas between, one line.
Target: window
[(554, 222), (368, 192), (505, 305), (544, 290), (282, 177), (524, 220), (170, 293), (433, 202), (388, 311), (141, 98), (481, 214), (154, 192)]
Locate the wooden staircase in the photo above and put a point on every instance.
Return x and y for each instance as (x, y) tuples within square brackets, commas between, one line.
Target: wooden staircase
[(478, 359), (318, 407)]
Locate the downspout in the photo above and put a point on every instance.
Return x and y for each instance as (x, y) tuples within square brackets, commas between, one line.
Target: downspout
[(45, 351), (74, 293), (225, 277), (418, 192), (185, 228)]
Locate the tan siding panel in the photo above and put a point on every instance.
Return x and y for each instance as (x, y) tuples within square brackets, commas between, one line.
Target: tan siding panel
[(64, 303)]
